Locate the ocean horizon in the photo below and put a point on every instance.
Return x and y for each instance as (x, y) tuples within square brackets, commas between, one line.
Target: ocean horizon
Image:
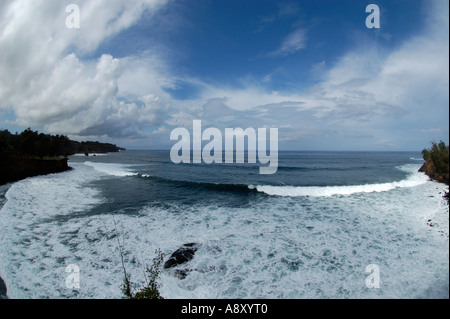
[(316, 229)]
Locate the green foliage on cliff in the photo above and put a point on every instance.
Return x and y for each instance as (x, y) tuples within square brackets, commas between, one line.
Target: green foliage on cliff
[(439, 155), (42, 145), (36, 144), (31, 153), (150, 290)]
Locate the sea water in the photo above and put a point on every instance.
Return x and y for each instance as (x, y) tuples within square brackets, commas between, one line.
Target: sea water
[(309, 231)]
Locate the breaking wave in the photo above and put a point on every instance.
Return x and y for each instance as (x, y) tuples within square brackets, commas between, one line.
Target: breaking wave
[(413, 179)]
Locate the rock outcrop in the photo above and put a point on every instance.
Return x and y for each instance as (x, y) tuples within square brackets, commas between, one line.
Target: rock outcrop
[(3, 289), (32, 153), (429, 169), (186, 253), (15, 166), (93, 147), (182, 255)]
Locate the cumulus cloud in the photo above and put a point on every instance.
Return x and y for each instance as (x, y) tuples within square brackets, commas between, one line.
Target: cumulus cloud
[(49, 84), (370, 96), (52, 78), (409, 82)]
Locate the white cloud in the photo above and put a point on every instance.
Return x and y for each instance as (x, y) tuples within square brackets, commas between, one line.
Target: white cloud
[(433, 131), (294, 42), (47, 82), (369, 92), (366, 96)]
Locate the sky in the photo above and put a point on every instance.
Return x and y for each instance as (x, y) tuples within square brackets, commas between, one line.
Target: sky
[(135, 70)]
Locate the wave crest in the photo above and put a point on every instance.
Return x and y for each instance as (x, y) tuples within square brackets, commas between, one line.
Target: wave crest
[(414, 179), (114, 169)]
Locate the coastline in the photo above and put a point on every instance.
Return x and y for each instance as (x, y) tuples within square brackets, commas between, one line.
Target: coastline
[(429, 169), (30, 154), (12, 281), (16, 167), (3, 289)]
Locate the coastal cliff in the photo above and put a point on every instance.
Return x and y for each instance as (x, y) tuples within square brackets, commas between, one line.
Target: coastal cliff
[(430, 170), (3, 290), (32, 153), (436, 164), (15, 166)]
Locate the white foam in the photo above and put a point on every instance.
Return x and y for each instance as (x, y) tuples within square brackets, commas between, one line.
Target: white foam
[(113, 169), (33, 222), (90, 154), (280, 247), (414, 179)]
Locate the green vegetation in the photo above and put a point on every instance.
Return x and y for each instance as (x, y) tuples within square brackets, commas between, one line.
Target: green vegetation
[(31, 153), (150, 290), (439, 155), (42, 145), (437, 164), (35, 144)]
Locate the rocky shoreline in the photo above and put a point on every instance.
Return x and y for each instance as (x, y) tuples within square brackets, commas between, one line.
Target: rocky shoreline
[(15, 166), (429, 169), (31, 153), (3, 289)]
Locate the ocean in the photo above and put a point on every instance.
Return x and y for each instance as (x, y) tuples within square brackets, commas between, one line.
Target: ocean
[(316, 229)]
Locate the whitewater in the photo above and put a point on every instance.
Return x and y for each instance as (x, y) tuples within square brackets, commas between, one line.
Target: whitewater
[(257, 239)]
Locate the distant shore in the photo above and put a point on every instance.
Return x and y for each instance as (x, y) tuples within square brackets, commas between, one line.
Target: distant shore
[(31, 153)]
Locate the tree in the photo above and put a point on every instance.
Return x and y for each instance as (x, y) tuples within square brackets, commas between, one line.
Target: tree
[(3, 144), (439, 155)]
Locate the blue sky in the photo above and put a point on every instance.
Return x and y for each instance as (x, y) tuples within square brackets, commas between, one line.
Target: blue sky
[(226, 40), (135, 70)]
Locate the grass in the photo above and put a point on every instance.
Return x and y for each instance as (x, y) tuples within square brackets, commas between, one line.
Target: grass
[(152, 273)]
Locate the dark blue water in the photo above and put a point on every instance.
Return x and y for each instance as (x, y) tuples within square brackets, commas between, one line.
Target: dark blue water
[(159, 181), (308, 231)]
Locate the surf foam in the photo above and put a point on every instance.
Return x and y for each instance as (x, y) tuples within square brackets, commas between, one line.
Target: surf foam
[(113, 169), (279, 247), (33, 222), (414, 179)]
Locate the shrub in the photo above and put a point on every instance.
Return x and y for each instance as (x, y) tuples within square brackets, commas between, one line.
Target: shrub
[(439, 155), (150, 290)]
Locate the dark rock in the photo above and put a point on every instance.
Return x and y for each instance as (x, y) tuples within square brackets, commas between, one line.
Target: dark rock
[(182, 255), (182, 273), (431, 223), (2, 289), (92, 147), (429, 169), (15, 166)]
